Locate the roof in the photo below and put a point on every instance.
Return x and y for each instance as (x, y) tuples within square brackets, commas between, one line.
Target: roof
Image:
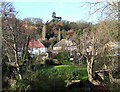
[(60, 43), (35, 43)]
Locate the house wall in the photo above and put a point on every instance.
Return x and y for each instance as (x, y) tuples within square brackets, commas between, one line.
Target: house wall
[(37, 51), (68, 42), (57, 48)]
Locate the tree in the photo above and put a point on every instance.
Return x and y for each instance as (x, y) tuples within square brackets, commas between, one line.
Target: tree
[(74, 25), (34, 22), (63, 57), (94, 39), (79, 32), (106, 9), (82, 25), (64, 35), (31, 28), (70, 32), (44, 33), (10, 30), (92, 43), (59, 26)]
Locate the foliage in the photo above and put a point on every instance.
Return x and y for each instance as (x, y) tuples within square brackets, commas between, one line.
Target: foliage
[(25, 54), (6, 73), (48, 62), (38, 58), (74, 25), (52, 41), (70, 32), (79, 32), (82, 25), (63, 57), (46, 43), (54, 21), (64, 35), (66, 72), (94, 29), (50, 78)]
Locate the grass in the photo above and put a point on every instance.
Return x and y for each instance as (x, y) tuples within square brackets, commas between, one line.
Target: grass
[(58, 76), (52, 78), (66, 70)]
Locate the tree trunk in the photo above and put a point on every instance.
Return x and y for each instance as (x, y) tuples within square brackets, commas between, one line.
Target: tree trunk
[(8, 57), (16, 56), (59, 35), (17, 64), (90, 71), (44, 32)]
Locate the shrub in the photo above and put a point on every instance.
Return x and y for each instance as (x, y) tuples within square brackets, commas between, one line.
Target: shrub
[(63, 57), (44, 82), (48, 62), (75, 75), (65, 62)]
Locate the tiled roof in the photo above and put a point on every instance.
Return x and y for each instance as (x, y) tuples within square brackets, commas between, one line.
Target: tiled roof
[(35, 43), (60, 43)]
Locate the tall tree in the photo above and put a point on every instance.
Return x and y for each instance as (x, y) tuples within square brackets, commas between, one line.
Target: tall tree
[(44, 32), (96, 38), (92, 43), (10, 32), (59, 25)]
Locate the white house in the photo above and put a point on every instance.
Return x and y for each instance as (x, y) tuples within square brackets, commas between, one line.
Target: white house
[(65, 44), (36, 47)]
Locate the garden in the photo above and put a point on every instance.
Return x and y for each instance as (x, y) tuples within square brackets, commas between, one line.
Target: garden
[(52, 77)]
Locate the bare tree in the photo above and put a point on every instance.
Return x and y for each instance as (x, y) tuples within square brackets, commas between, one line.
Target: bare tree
[(106, 9), (92, 43), (10, 33)]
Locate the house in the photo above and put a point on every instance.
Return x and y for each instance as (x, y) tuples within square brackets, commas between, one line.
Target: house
[(65, 45), (114, 46), (36, 47)]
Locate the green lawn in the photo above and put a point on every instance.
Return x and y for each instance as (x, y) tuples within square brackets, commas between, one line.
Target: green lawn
[(52, 78), (56, 77), (68, 72)]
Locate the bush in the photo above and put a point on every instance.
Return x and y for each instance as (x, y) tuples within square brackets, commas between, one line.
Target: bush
[(63, 57), (65, 62), (48, 62), (75, 75), (44, 82), (50, 78)]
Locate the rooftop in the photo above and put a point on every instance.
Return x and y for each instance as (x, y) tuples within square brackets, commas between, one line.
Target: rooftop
[(35, 43)]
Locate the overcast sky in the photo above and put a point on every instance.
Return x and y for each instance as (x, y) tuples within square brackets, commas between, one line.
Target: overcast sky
[(70, 11)]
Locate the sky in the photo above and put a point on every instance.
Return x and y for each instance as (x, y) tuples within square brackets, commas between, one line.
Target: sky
[(70, 11)]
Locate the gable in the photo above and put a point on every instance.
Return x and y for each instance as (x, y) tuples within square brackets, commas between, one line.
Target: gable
[(60, 43), (35, 44)]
